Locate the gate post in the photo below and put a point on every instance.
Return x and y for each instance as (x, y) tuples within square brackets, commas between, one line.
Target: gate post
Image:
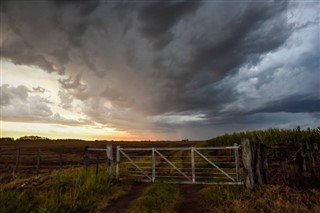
[(247, 164), (86, 160), (17, 161), (109, 160), (118, 162), (193, 166), (153, 165), (236, 157), (38, 161)]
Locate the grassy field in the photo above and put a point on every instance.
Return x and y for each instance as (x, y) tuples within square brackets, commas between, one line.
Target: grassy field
[(78, 190)]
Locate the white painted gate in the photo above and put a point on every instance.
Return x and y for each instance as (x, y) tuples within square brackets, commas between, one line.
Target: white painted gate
[(198, 165)]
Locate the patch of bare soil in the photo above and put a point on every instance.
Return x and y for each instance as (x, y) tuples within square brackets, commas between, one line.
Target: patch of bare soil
[(122, 204), (189, 195)]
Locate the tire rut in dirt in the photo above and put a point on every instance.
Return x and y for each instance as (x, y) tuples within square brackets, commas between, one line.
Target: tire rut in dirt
[(122, 204), (189, 195)]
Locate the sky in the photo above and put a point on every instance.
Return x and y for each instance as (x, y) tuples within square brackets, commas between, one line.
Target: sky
[(158, 70)]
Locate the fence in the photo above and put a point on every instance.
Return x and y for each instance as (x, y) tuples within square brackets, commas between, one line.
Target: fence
[(256, 164), (35, 160), (199, 165)]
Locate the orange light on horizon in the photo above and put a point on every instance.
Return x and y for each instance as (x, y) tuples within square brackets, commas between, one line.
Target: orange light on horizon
[(54, 131)]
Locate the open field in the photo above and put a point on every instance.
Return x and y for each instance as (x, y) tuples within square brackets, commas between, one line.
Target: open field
[(71, 188), (61, 154)]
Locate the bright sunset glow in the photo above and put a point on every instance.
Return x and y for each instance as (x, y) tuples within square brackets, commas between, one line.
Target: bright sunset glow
[(155, 70)]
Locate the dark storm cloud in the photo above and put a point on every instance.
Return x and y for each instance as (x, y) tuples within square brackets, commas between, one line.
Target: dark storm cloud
[(21, 53), (293, 104), (190, 75), (116, 97), (85, 7), (159, 17), (246, 34)]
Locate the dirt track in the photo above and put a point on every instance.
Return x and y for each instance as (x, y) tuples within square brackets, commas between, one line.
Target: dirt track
[(189, 202), (122, 204)]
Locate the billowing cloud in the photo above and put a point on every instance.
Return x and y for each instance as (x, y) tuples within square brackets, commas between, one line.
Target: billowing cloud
[(170, 67)]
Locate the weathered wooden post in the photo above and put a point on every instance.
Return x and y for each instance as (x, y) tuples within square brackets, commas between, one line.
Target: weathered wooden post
[(60, 160), (109, 160), (153, 165), (236, 158), (316, 151), (247, 164), (257, 163), (38, 161), (193, 166), (265, 166), (17, 161), (118, 162), (311, 164), (97, 166), (302, 167), (85, 157)]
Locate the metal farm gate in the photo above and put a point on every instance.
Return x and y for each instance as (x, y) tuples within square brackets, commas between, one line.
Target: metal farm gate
[(198, 165)]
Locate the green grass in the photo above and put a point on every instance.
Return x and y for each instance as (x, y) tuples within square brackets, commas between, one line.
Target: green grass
[(72, 190), (157, 198)]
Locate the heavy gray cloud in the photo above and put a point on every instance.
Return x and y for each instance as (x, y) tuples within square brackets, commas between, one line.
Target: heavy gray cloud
[(166, 66)]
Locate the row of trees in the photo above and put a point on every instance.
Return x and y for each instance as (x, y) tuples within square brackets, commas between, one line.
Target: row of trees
[(24, 138), (271, 136)]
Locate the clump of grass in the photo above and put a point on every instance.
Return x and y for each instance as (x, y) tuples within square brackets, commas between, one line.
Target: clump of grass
[(221, 197), (272, 198), (157, 198), (73, 190)]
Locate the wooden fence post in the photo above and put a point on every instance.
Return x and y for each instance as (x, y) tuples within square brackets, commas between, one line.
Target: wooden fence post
[(38, 161), (17, 161), (311, 164), (118, 162), (247, 164), (316, 151), (153, 165), (97, 166), (265, 166), (258, 163), (109, 160), (193, 166), (85, 157), (236, 158), (301, 159), (60, 160), (255, 162)]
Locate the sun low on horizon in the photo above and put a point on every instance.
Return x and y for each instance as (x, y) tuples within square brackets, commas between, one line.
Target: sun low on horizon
[(157, 70)]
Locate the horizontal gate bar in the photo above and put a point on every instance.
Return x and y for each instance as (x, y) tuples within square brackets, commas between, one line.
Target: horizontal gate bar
[(180, 148), (204, 157)]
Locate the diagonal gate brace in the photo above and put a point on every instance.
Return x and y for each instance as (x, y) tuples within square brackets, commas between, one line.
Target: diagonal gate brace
[(209, 161), (133, 163), (168, 161)]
